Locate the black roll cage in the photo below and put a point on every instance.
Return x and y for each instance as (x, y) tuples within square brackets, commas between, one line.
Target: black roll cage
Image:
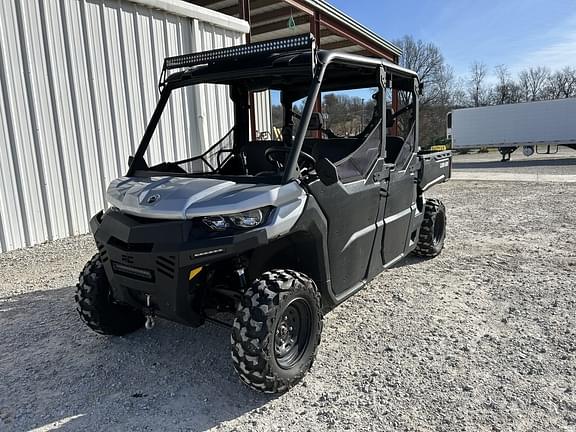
[(391, 75)]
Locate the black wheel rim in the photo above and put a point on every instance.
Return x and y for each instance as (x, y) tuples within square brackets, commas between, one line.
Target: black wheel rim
[(292, 333), (439, 226)]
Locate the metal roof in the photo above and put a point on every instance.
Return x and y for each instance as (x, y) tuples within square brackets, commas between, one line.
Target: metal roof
[(269, 19)]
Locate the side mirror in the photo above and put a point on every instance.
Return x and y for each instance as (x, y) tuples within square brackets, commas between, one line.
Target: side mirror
[(327, 172), (421, 89), (130, 160)]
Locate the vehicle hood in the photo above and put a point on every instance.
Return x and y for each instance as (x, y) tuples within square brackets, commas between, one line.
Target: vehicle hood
[(186, 198)]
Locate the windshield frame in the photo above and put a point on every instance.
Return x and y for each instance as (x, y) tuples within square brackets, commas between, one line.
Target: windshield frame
[(138, 166)]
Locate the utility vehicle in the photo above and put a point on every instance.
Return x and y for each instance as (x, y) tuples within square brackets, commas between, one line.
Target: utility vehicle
[(275, 232)]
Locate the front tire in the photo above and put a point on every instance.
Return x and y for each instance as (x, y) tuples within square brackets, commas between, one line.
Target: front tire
[(277, 331), (96, 306), (433, 229)]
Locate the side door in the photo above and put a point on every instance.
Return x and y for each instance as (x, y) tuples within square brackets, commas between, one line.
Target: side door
[(401, 208), (399, 212), (351, 204)]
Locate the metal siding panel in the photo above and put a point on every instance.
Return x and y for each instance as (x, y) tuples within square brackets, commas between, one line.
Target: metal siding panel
[(198, 113), (148, 75), (98, 91), (122, 127), (23, 151), (80, 81), (178, 140), (78, 85), (12, 230), (263, 113), (190, 31), (66, 101), (47, 152), (71, 199), (157, 35), (136, 117)]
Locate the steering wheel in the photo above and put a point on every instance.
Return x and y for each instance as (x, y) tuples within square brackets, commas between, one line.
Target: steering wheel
[(271, 153)]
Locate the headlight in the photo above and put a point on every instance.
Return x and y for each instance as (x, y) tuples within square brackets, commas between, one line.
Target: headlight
[(246, 220), (216, 223), (249, 219)]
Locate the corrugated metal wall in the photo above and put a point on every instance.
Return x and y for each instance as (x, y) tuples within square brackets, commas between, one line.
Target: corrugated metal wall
[(263, 113), (77, 87)]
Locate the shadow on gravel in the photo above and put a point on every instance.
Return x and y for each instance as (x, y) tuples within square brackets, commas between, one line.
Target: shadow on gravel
[(55, 372), (514, 164)]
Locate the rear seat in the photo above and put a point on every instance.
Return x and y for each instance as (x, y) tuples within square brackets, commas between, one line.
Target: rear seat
[(333, 149)]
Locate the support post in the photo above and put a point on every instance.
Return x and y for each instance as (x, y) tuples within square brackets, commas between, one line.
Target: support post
[(395, 108), (244, 9), (315, 30)]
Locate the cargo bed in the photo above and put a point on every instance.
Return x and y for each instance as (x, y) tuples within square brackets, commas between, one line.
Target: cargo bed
[(436, 167)]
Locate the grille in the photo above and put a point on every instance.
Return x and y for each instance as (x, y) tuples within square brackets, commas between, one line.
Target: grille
[(102, 251), (166, 266), (130, 247)]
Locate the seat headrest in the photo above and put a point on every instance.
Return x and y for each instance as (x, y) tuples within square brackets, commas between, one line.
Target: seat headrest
[(316, 122), (389, 117)]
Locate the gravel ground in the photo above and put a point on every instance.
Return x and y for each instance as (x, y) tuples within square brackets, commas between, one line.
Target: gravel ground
[(482, 338)]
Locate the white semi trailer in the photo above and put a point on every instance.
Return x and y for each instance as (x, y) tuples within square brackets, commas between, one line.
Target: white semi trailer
[(528, 125)]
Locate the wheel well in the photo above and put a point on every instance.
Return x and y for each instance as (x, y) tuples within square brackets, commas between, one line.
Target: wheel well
[(296, 252)]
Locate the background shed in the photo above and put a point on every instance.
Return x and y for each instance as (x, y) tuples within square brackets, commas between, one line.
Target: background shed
[(77, 87)]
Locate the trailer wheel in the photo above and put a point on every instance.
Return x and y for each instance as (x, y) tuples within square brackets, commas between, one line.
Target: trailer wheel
[(96, 306), (277, 331), (433, 229)]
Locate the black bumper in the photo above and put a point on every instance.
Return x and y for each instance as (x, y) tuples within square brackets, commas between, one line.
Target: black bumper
[(154, 258)]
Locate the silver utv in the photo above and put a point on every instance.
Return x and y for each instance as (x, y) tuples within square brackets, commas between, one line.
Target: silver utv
[(272, 233)]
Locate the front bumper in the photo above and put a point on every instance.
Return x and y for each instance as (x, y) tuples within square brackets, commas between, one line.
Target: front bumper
[(154, 258)]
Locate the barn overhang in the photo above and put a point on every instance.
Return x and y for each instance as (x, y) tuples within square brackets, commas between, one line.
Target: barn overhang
[(271, 19)]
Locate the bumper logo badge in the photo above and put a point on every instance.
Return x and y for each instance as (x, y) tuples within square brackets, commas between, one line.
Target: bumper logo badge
[(153, 198)]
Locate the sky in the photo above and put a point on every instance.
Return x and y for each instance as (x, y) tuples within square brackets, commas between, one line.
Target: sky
[(517, 33)]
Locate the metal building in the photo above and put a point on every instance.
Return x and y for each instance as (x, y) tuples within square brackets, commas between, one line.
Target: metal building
[(77, 87)]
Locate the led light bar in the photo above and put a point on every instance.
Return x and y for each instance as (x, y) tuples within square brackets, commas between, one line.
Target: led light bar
[(133, 272), (291, 43)]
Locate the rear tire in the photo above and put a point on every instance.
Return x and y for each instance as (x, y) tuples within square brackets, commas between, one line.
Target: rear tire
[(277, 331), (433, 229), (96, 306)]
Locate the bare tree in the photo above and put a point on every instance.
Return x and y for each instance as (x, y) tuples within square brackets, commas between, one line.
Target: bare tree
[(458, 94), (533, 81), (561, 84), (477, 88), (426, 59)]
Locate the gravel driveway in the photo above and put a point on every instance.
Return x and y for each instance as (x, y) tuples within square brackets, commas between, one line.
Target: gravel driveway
[(482, 338)]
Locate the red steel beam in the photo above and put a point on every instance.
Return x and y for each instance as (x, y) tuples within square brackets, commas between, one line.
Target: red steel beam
[(337, 45), (340, 30)]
